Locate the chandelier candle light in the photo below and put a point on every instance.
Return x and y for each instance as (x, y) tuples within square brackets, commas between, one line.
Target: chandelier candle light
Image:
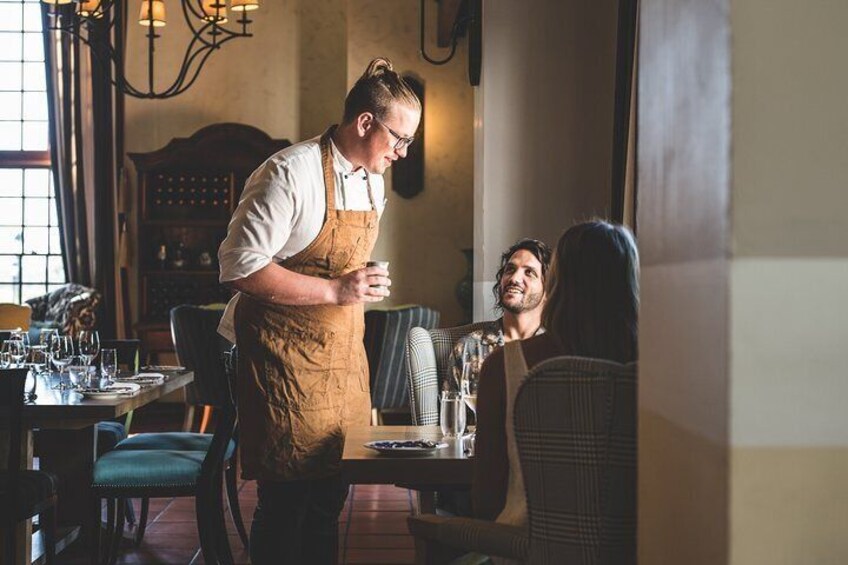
[(93, 23)]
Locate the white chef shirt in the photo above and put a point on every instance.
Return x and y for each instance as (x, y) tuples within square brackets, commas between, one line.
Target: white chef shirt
[(282, 208)]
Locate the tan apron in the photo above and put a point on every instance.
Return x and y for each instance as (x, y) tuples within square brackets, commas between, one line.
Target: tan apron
[(303, 374)]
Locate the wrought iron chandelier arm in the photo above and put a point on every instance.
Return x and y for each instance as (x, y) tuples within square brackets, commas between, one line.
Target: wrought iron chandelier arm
[(180, 86), (103, 27), (188, 60), (197, 33)]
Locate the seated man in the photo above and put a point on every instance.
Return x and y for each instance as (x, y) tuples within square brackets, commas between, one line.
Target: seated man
[(519, 294), (591, 310)]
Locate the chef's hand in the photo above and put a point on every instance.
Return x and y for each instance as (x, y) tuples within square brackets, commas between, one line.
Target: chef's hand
[(369, 284)]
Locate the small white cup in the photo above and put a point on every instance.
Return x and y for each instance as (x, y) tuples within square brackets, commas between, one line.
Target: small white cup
[(382, 265)]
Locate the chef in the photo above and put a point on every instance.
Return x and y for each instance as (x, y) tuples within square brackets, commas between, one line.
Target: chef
[(295, 251)]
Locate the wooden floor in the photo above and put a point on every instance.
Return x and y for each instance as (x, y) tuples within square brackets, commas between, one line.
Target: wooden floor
[(372, 530)]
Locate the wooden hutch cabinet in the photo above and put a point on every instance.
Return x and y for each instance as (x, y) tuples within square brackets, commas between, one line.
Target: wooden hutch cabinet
[(187, 192)]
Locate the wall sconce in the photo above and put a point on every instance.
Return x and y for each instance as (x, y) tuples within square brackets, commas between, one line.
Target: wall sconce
[(462, 16)]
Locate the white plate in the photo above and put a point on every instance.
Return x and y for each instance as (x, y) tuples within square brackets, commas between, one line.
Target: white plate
[(116, 390), (404, 446)]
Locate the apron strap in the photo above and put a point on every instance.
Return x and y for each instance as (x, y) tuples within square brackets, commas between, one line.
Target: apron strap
[(327, 167), (330, 176)]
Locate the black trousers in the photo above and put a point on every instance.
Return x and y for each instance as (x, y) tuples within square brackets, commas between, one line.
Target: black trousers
[(297, 522)]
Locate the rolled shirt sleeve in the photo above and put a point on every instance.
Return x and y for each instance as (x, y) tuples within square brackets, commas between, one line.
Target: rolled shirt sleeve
[(261, 224)]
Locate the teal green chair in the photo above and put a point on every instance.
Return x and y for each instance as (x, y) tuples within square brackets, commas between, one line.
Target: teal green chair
[(109, 432), (127, 473), (194, 332)]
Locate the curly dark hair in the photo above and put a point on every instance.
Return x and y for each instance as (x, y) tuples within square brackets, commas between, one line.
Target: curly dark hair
[(538, 248)]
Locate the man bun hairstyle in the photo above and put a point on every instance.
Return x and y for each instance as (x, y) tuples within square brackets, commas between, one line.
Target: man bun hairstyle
[(376, 90)]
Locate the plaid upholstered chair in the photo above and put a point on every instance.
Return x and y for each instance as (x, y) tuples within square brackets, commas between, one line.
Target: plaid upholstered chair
[(427, 366), (385, 341), (575, 426)]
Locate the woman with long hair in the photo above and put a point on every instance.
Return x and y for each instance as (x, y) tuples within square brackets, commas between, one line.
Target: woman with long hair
[(591, 310)]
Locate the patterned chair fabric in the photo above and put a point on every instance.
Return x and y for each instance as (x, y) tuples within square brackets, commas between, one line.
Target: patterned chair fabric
[(575, 426), (385, 339), (428, 366), (70, 308)]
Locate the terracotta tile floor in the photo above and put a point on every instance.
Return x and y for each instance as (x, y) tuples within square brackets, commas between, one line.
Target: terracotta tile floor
[(372, 530)]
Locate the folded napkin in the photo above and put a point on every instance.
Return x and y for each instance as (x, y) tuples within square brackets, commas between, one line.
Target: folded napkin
[(142, 379), (163, 368)]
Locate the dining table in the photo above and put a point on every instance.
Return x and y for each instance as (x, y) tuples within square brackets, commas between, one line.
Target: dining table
[(59, 427), (444, 468)]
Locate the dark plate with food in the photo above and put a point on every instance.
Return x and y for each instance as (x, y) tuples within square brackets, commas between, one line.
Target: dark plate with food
[(405, 446)]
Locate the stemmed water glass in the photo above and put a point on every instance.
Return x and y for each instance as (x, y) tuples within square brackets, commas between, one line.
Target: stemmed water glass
[(61, 350), (109, 365), (45, 338), (474, 352), (89, 345)]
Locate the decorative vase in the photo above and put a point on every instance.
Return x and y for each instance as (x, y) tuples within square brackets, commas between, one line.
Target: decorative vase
[(465, 287)]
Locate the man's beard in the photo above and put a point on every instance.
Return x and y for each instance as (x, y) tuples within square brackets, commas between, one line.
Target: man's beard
[(528, 302)]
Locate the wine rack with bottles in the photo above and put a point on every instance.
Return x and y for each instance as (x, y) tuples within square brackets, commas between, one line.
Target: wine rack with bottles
[(187, 192)]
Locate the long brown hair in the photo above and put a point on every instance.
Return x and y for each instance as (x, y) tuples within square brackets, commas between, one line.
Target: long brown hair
[(592, 302), (376, 90)]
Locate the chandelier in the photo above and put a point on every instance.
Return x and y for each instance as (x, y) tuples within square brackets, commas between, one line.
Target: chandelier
[(93, 23)]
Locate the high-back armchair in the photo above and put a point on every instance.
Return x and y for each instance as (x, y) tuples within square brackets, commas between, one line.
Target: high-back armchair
[(428, 366), (70, 309), (575, 427), (385, 341)]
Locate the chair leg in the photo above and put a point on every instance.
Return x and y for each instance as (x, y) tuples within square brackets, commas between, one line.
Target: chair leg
[(188, 418), (47, 520), (225, 554), (94, 543), (128, 422), (231, 480), (130, 513), (204, 421), (203, 510), (110, 524), (118, 536), (142, 521)]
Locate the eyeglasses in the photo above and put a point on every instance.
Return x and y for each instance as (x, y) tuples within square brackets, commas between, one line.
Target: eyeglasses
[(402, 142)]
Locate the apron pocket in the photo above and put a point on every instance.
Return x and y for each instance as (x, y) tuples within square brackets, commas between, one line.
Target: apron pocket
[(342, 253), (297, 371)]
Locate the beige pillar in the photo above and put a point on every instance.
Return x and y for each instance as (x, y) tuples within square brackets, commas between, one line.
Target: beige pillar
[(742, 170)]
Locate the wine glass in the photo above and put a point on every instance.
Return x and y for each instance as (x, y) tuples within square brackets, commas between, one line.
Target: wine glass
[(23, 337), (61, 350), (14, 346), (44, 340), (470, 381), (89, 345), (473, 355), (77, 369)]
